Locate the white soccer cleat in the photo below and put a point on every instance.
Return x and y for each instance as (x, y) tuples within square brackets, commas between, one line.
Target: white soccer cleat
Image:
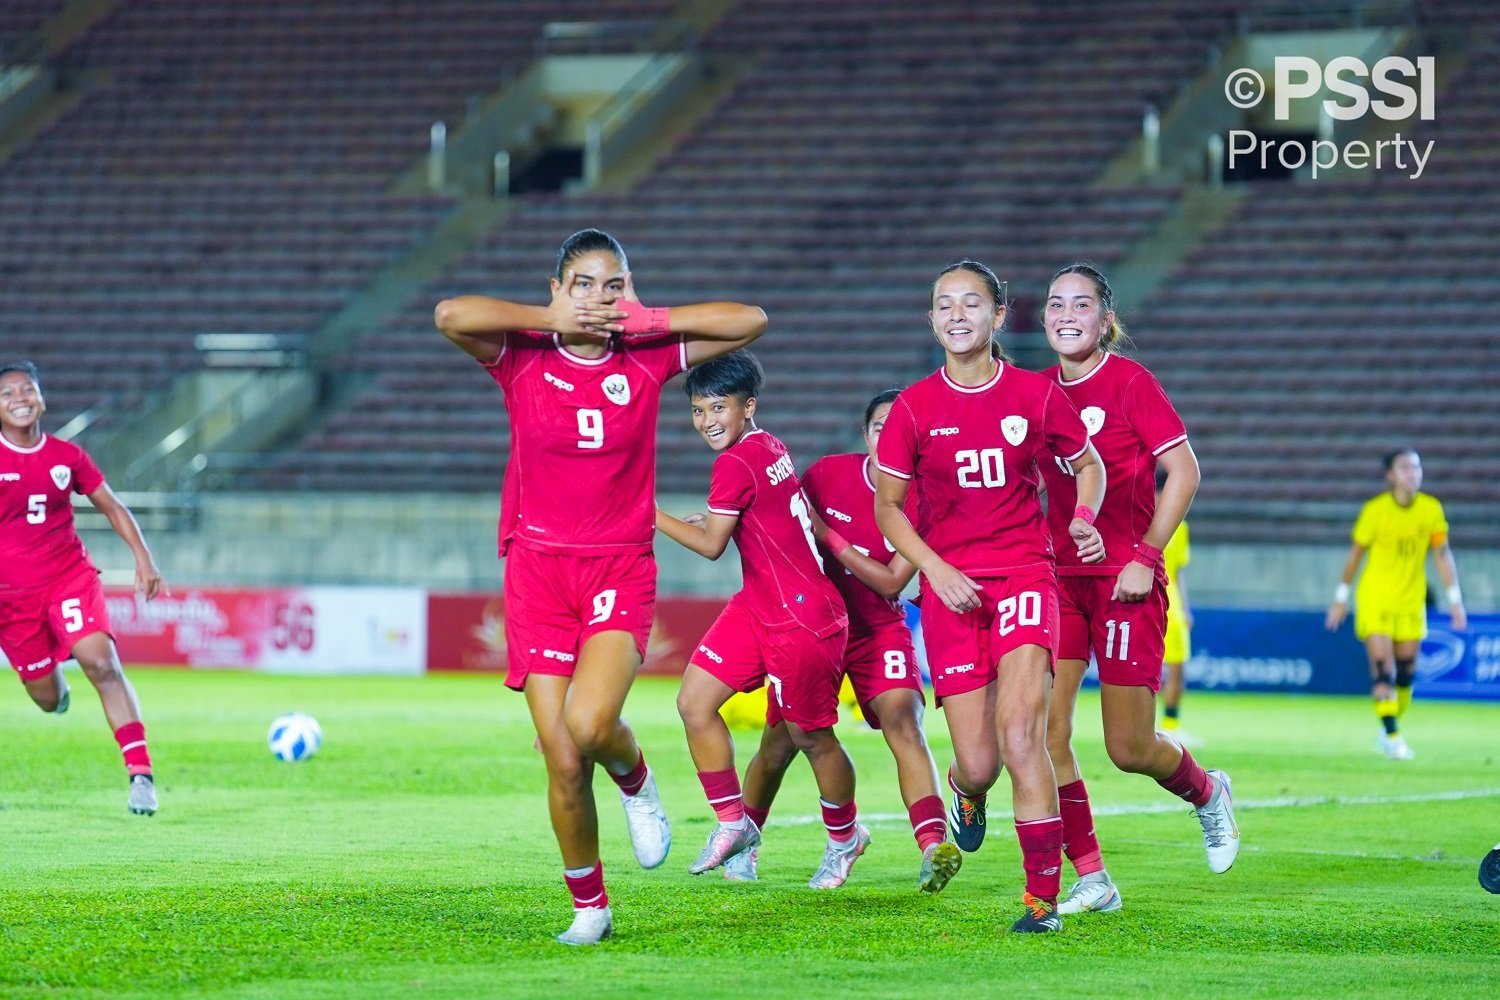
[(1394, 747), (591, 924), (1221, 834), (1095, 892), (743, 866), (650, 833), (834, 871), (142, 799), (940, 862), (724, 842)]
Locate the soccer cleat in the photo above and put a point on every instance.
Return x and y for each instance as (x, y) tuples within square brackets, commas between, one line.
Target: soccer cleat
[(591, 924), (1394, 747), (837, 860), (64, 695), (650, 833), (1092, 893), (725, 842), (142, 799), (1221, 834), (1039, 918), (742, 867), (966, 819), (940, 862)]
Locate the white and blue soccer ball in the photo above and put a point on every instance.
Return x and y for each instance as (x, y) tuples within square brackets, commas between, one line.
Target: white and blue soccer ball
[(294, 736)]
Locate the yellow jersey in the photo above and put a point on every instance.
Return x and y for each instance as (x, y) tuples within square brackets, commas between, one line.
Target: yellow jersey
[(1397, 539), (1176, 555)]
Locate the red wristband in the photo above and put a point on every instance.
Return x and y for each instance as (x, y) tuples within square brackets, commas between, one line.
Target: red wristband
[(640, 321), (1084, 513), (1147, 555), (836, 542)]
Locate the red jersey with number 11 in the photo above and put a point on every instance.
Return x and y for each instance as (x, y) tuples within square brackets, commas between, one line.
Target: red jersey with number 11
[(842, 490)]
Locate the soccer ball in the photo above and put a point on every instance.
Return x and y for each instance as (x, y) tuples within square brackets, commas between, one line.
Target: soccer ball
[(294, 736)]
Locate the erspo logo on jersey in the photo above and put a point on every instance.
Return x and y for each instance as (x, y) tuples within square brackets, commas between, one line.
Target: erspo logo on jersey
[(10, 477), (565, 386)]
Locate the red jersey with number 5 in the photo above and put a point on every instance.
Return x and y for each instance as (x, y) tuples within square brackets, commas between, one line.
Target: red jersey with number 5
[(841, 489), (973, 455), (784, 587), (38, 543), (1130, 421), (582, 472)]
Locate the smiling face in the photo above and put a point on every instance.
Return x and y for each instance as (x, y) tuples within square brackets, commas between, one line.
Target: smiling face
[(21, 404), (1073, 317), (964, 314), (597, 275), (722, 420)]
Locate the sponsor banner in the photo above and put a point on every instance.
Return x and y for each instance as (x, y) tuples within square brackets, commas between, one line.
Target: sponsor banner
[(311, 630), (467, 632), (1248, 650), (1460, 664)]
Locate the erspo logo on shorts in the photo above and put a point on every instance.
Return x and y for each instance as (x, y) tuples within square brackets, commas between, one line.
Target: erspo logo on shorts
[(962, 668), (711, 654), (557, 654), (41, 664)]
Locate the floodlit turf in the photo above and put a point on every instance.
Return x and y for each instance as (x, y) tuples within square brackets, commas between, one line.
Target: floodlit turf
[(413, 857)]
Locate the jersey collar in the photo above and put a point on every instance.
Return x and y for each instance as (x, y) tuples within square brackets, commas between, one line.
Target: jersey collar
[(23, 451), (1086, 375), (972, 389), (576, 359)]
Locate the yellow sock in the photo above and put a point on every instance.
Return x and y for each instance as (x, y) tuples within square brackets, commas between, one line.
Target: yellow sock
[(1403, 700), (1386, 710), (1170, 722)]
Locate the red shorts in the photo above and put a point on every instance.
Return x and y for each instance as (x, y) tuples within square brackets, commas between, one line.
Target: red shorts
[(39, 628), (964, 650), (804, 672), (881, 661), (555, 603), (1128, 640)]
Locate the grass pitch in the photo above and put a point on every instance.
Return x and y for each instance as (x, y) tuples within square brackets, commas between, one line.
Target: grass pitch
[(413, 857)]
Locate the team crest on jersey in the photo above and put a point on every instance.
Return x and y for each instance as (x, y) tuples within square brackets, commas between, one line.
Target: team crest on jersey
[(62, 476), (1093, 419), (1014, 429), (617, 388)]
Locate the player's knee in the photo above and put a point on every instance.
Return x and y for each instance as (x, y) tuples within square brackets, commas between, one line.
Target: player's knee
[(903, 731), (977, 773), (591, 731), (813, 741), (46, 700), (1406, 672), (101, 668), (694, 711), (1059, 736), (1130, 753)]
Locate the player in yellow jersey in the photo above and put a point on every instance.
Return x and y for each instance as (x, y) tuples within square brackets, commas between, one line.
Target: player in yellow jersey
[(1397, 528), (1178, 645)]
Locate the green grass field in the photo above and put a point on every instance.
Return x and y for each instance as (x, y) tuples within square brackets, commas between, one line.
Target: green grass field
[(413, 857)]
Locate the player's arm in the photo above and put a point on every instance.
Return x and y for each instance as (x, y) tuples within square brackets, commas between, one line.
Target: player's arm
[(1442, 556), (478, 324), (952, 587), (1137, 578), (708, 329), (148, 579), (887, 580), (1088, 471), (1340, 606), (706, 534)]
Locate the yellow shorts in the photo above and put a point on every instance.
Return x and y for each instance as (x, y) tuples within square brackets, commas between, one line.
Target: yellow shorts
[(1178, 647), (1401, 624)]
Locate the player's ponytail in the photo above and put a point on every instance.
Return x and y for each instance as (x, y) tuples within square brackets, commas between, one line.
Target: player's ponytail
[(1114, 339)]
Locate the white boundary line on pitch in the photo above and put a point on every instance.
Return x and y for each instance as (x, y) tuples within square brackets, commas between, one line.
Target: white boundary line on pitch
[(1146, 809)]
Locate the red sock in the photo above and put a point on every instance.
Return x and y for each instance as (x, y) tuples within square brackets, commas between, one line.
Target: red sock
[(1041, 855), (758, 816), (1078, 829), (630, 783), (587, 887), (928, 824), (1189, 781), (974, 796), (838, 819), (132, 740), (723, 791)]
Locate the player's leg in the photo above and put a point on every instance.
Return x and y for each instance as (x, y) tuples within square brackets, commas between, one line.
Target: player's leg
[(898, 713), (1381, 652), (833, 772), (1171, 697), (50, 690), (570, 804), (100, 661), (712, 750), (763, 776), (1404, 656), (1093, 890), (1022, 696), (963, 681)]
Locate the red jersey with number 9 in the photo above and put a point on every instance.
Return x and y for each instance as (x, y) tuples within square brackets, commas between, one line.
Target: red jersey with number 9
[(784, 587), (582, 473), (973, 453), (38, 543)]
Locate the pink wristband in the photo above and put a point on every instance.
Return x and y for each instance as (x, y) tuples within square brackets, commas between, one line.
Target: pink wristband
[(836, 542), (1084, 513), (640, 321), (1147, 555)]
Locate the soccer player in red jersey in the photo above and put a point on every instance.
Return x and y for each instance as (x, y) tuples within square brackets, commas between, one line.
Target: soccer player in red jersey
[(1117, 608), (969, 438), (786, 627), (582, 377), (51, 604), (879, 661)]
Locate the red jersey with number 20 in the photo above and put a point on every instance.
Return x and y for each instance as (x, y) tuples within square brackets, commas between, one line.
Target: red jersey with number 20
[(582, 472), (1130, 421), (840, 488), (974, 453), (38, 543), (754, 480)]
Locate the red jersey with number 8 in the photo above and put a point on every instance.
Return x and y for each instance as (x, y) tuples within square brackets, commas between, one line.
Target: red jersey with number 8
[(784, 587), (38, 543), (842, 490), (975, 451), (582, 473)]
